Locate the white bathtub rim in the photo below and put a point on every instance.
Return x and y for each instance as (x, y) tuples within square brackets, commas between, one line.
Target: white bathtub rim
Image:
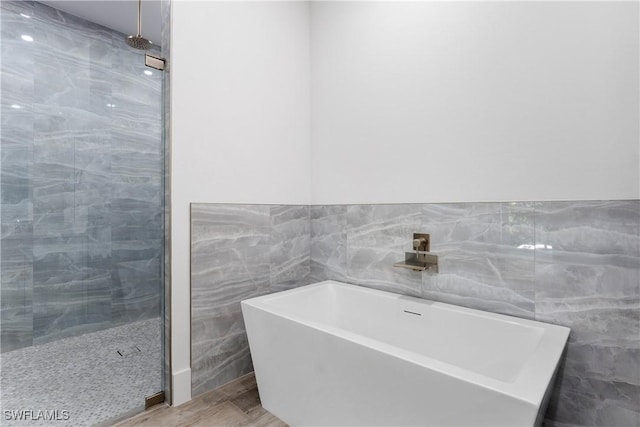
[(529, 386)]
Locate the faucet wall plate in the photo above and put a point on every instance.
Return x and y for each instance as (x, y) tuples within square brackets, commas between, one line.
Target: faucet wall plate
[(421, 259), (425, 245)]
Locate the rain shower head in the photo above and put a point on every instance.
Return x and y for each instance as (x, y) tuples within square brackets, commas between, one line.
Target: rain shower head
[(137, 41)]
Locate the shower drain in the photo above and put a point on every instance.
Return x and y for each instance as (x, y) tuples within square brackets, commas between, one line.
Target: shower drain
[(129, 351)]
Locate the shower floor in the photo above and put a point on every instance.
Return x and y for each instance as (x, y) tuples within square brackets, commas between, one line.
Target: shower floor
[(84, 375)]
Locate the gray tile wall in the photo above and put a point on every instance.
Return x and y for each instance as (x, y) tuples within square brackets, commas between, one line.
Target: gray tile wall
[(590, 282), (238, 252), (586, 277), (81, 178), (584, 273), (480, 263)]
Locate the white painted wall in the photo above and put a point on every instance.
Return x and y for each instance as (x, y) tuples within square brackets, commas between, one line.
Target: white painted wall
[(411, 102), (240, 125), (480, 101)]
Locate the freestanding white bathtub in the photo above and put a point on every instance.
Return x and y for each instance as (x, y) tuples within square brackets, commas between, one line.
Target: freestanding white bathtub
[(336, 354)]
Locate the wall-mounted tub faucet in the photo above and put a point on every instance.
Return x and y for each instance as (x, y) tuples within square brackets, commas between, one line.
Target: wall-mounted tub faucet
[(421, 243), (421, 259)]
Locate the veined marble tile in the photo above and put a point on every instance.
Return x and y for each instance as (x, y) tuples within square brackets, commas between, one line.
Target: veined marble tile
[(226, 321), (16, 292), (226, 277), (458, 289), (101, 58), (138, 139), (72, 287), (373, 268), (17, 325), (17, 66), (134, 87), (218, 361), (16, 99), (55, 119), (17, 221), (483, 260), (53, 158), (604, 231), (218, 226), (136, 211), (588, 279), (135, 289), (136, 280), (17, 6), (68, 80), (383, 226), (130, 114), (220, 350), (377, 237), (15, 173), (135, 220), (65, 29), (16, 138), (101, 93), (581, 401), (230, 261), (138, 109), (81, 159), (238, 252), (148, 192), (135, 167), (64, 214), (328, 243), (18, 131), (135, 250), (73, 84), (290, 247)]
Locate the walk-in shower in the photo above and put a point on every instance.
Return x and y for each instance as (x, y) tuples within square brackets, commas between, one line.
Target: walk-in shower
[(83, 214)]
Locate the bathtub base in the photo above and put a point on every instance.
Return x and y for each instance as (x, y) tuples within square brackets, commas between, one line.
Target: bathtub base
[(312, 372), (323, 380)]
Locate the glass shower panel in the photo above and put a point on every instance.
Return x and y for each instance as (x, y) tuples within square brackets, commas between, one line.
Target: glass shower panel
[(82, 201)]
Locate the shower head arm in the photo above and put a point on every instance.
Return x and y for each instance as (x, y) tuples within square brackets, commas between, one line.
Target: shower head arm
[(139, 18)]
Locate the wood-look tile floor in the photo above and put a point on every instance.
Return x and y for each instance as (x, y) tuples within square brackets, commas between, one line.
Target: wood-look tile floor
[(234, 404)]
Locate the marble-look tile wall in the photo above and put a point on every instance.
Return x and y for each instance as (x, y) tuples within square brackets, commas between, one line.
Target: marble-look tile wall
[(482, 263), (590, 282), (81, 185), (575, 264), (584, 274), (238, 252)]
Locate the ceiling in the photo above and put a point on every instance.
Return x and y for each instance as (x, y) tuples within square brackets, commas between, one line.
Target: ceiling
[(120, 15)]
